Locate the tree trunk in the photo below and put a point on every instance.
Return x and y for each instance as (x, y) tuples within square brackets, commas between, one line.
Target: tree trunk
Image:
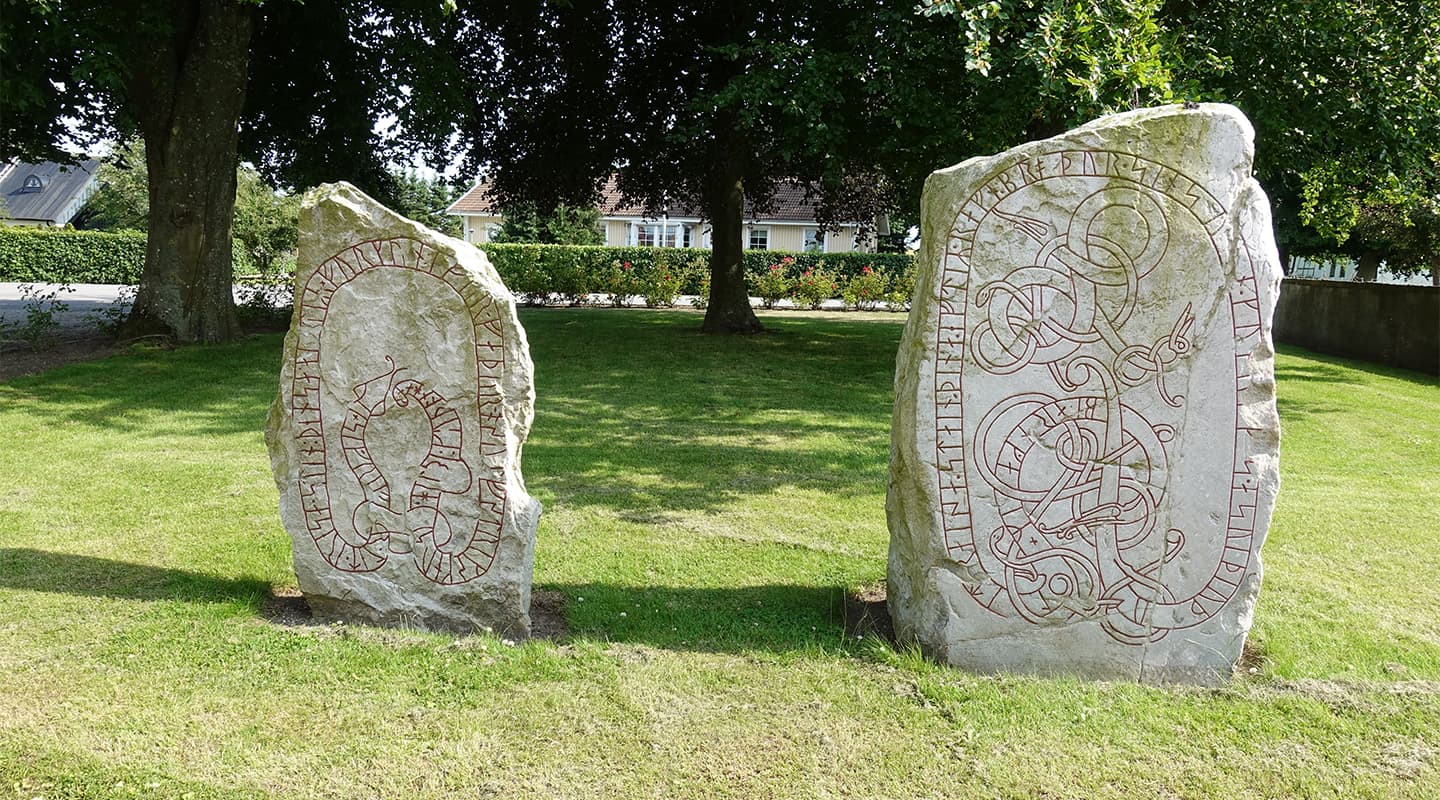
[(188, 90), (729, 310), (1367, 269)]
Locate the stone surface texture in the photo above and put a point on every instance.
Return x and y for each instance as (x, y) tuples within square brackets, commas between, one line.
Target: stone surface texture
[(1085, 451), (406, 394)]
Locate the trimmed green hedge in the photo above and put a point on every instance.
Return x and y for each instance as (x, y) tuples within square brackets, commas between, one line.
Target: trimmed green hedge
[(66, 256), (575, 270), (537, 271)]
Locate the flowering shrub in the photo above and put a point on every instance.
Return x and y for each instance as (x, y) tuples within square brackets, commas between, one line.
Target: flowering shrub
[(774, 283), (702, 291), (865, 290), (813, 287), (902, 290), (619, 283), (660, 284), (545, 274)]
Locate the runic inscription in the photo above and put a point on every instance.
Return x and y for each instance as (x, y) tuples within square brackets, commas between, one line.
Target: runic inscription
[(392, 521), (1054, 499)]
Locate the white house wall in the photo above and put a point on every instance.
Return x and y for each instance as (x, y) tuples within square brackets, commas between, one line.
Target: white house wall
[(616, 232), (783, 235), (474, 227)]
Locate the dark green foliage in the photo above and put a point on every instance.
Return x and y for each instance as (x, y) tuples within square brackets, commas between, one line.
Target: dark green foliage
[(574, 271), (1343, 95), (62, 256), (564, 225), (123, 200), (267, 225), (425, 200), (293, 88)]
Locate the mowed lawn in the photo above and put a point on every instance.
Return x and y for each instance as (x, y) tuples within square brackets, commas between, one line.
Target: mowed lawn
[(708, 503)]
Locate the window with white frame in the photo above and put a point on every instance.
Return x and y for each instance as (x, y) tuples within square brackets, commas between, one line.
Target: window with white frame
[(489, 231), (660, 235), (814, 240), (759, 238)]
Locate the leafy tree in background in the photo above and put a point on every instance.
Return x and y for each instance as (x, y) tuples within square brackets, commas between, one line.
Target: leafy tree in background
[(123, 200), (425, 200), (708, 105), (294, 87), (563, 225), (1344, 95), (265, 223)]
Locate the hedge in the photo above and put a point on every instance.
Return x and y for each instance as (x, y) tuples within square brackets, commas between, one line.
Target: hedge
[(60, 255), (67, 256), (575, 270), (534, 270)]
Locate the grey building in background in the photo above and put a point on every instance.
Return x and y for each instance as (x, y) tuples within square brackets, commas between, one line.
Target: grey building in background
[(44, 195)]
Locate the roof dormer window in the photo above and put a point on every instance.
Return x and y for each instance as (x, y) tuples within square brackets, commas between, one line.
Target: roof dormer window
[(32, 184)]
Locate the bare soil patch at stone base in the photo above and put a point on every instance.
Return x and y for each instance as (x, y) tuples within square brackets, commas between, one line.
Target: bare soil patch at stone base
[(286, 607), (547, 615), (20, 360), (867, 614)]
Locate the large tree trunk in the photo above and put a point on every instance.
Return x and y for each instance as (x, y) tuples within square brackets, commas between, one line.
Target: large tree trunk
[(188, 89), (729, 310), (1368, 267)]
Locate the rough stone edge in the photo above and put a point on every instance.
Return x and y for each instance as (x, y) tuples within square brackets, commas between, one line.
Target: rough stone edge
[(522, 511), (904, 491)]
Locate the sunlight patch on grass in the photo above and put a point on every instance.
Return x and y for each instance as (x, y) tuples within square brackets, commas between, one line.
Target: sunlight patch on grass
[(708, 503)]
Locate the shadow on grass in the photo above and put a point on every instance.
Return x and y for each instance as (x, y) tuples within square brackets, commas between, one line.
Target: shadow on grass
[(1323, 368), (636, 411), (44, 571), (210, 389), (1334, 383), (742, 619), (768, 618), (639, 411)]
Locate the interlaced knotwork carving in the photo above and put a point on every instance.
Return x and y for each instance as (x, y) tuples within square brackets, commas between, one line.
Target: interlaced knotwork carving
[(446, 485), (1070, 477)]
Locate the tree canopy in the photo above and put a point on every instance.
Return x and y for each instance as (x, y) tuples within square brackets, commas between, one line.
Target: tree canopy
[(705, 104), (564, 224), (1344, 95), (294, 88)]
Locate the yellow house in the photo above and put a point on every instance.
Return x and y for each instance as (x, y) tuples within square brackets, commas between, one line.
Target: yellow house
[(789, 225)]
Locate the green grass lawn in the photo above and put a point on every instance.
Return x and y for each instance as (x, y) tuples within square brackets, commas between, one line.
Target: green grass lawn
[(708, 503)]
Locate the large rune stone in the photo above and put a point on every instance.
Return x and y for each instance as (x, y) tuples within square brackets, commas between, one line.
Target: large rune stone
[(1085, 448), (406, 393)]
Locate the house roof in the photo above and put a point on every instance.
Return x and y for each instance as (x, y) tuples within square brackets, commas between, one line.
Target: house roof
[(789, 204), (46, 191)]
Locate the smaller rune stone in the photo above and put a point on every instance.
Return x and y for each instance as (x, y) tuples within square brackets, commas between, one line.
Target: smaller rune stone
[(406, 394), (1085, 450)]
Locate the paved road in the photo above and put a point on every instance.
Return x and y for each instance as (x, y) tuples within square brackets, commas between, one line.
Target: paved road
[(83, 299)]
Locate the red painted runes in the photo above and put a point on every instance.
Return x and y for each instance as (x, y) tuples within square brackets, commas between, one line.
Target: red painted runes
[(408, 522), (1054, 498)]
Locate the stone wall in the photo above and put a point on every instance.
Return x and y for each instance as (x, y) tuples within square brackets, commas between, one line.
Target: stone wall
[(1383, 323)]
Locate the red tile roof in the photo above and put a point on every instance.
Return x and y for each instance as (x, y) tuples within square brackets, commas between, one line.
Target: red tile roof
[(789, 204)]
